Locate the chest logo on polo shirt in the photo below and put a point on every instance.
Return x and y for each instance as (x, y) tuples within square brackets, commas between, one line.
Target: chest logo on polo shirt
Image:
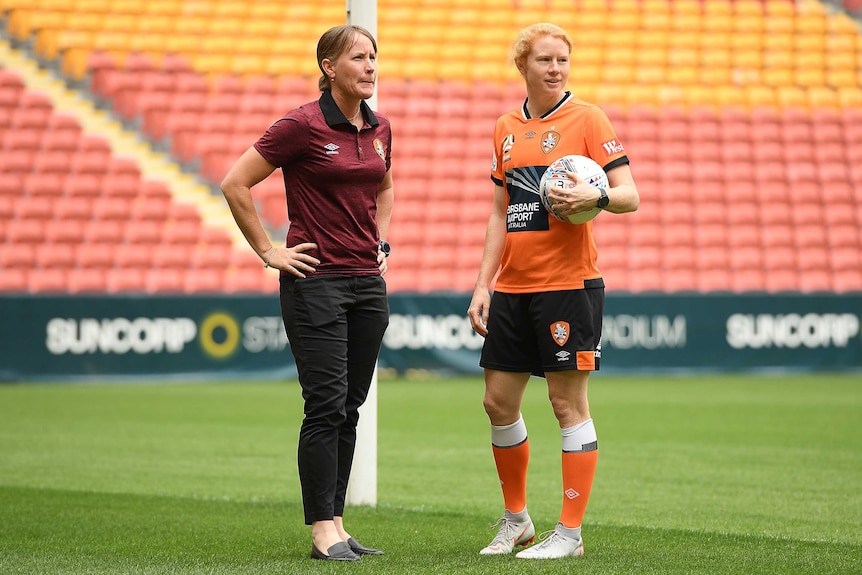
[(378, 147), (331, 149), (560, 331), (550, 139)]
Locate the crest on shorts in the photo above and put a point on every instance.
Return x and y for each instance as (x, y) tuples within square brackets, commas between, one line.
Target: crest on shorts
[(560, 332)]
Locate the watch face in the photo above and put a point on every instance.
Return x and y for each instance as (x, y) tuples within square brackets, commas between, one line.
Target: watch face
[(385, 248)]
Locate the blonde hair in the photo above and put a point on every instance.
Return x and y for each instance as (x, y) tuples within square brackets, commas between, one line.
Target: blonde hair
[(333, 44), (526, 37)]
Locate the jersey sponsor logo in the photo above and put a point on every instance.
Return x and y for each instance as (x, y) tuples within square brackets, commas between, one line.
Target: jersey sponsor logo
[(378, 147), (525, 212), (612, 147), (560, 331), (550, 139), (331, 149)]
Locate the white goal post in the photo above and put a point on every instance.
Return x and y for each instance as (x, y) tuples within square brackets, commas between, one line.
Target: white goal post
[(362, 488)]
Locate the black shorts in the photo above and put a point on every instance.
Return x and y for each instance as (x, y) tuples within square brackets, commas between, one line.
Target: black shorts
[(545, 331)]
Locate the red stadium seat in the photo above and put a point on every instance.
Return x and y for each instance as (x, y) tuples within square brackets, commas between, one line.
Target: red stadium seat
[(26, 231), (164, 281), (204, 281), (13, 280), (65, 232), (176, 256), (125, 280), (133, 256), (87, 281), (97, 232), (47, 281), (99, 256), (55, 256), (17, 256)]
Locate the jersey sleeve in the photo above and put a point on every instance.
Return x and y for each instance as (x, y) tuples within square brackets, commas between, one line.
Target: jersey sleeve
[(497, 175), (284, 141), (602, 142)]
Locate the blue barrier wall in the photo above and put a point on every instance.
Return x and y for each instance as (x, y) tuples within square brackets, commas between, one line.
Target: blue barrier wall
[(242, 336)]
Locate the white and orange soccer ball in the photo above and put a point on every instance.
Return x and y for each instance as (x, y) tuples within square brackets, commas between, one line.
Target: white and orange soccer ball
[(555, 178)]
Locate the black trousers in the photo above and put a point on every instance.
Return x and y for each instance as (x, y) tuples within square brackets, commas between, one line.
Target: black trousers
[(335, 326)]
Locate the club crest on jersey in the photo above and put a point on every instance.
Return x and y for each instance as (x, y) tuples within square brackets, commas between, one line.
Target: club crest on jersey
[(550, 139), (378, 147), (560, 331)]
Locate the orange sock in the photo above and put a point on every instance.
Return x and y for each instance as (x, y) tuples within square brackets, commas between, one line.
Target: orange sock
[(578, 472), (580, 455), (512, 470)]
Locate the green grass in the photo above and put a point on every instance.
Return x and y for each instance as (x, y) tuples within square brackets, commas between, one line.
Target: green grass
[(697, 474)]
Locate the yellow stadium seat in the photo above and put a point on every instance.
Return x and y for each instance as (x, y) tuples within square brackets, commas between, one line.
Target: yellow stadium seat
[(717, 22), (652, 39), (747, 7), (779, 24), (791, 96), (747, 41), (653, 6), (822, 97), (128, 7), (161, 7), (655, 21), (839, 43), (842, 78), (232, 10), (748, 23), (810, 78), (780, 58), (747, 59), (686, 21), (716, 58), (850, 97), (651, 56), (809, 42), (777, 41), (683, 57), (650, 75), (713, 7), (684, 41), (779, 8), (841, 24), (777, 77), (191, 26), (125, 23), (759, 95), (620, 73), (715, 76), (683, 75), (730, 96)]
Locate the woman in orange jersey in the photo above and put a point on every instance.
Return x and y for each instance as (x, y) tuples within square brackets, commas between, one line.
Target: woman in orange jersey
[(545, 315)]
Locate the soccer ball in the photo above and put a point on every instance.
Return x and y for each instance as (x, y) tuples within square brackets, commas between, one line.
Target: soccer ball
[(555, 178)]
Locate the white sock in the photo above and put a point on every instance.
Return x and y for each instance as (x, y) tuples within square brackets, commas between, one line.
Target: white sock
[(580, 437), (509, 435)]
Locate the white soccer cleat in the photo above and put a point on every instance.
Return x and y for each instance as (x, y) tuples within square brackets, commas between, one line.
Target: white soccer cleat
[(555, 546), (514, 530)]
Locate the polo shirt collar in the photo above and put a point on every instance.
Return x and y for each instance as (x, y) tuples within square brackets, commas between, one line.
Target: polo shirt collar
[(334, 116)]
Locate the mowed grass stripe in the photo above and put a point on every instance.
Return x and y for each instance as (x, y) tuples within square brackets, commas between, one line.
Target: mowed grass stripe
[(696, 475)]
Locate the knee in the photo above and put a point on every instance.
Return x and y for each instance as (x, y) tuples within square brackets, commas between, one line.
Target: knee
[(500, 412)]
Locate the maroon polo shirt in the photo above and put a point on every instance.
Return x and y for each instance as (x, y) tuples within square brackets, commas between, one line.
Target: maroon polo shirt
[(332, 172)]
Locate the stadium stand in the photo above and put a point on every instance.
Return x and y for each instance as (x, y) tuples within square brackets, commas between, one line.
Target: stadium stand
[(743, 119)]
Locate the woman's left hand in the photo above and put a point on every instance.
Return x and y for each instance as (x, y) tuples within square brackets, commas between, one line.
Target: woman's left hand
[(382, 264)]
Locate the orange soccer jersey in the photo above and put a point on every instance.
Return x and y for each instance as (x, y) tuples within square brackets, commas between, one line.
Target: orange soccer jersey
[(541, 252)]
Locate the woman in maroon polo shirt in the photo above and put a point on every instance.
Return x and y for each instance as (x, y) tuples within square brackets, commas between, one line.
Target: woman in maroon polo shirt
[(335, 157)]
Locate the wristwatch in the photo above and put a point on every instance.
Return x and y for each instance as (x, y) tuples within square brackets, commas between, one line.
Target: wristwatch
[(385, 248), (604, 200)]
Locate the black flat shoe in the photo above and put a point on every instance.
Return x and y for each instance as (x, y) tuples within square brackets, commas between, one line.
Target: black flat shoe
[(338, 552), (361, 549)]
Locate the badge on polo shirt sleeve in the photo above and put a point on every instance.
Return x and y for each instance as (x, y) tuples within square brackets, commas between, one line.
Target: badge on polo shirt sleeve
[(378, 147)]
